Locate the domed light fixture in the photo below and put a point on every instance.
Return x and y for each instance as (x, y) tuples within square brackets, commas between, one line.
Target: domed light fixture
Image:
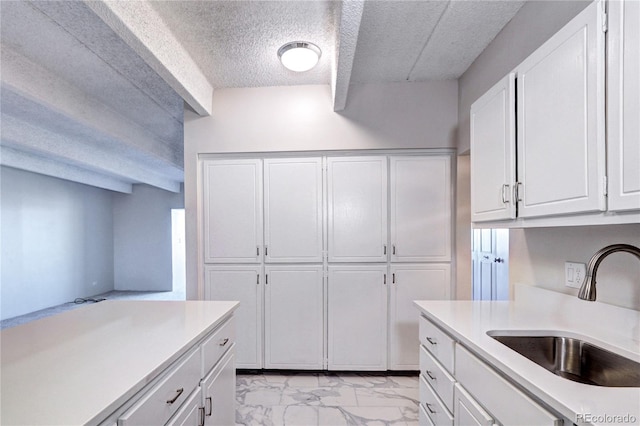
[(299, 56)]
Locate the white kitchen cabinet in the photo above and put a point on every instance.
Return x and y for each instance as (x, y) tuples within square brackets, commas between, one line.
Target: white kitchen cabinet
[(409, 283), (293, 317), (232, 211), (467, 411), (244, 284), (357, 317), (493, 156), (560, 113), (219, 393), (357, 209), (293, 210), (623, 100), (420, 219)]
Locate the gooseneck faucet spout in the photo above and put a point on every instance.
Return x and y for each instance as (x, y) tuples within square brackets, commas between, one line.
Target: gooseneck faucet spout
[(588, 289)]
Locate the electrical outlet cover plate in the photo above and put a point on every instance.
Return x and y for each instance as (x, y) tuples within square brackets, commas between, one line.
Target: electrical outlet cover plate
[(574, 273)]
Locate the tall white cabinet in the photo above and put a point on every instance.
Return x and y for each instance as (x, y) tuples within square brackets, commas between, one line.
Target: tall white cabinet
[(326, 255)]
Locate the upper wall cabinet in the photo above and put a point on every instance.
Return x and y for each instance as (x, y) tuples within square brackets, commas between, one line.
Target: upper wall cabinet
[(357, 209), (232, 211), (293, 210), (623, 99), (420, 194), (493, 159), (560, 113)]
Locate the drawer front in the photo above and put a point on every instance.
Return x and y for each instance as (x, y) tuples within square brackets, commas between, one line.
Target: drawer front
[(467, 411), (165, 398), (491, 391), (435, 374), (423, 418), (191, 413), (437, 342), (215, 346), (435, 409)]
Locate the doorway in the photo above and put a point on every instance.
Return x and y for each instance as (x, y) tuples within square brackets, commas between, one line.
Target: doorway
[(490, 259), (178, 251)]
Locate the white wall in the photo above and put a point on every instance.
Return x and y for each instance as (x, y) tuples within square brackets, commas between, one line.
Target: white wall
[(300, 118), (538, 255), (56, 243), (142, 238)]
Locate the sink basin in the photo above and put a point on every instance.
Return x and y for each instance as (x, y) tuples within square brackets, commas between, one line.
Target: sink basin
[(575, 359)]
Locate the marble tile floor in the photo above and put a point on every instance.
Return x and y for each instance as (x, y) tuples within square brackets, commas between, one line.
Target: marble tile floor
[(116, 294), (326, 399)]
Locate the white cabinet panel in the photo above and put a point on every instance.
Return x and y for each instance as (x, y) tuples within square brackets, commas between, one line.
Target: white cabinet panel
[(467, 411), (357, 209), (493, 156), (561, 145), (293, 210), (219, 393), (624, 105), (244, 284), (232, 211), (293, 323), (420, 191), (357, 317), (409, 283)]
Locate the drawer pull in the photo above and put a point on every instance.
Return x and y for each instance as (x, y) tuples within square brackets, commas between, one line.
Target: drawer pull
[(432, 341), (431, 376), (175, 398), (201, 415), (209, 401), (224, 341), (429, 408)]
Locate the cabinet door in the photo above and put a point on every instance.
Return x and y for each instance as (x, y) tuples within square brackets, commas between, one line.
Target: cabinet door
[(293, 210), (244, 284), (357, 317), (420, 209), (293, 317), (493, 152), (409, 283), (624, 105), (232, 211), (357, 209), (466, 411), (219, 391), (561, 138)]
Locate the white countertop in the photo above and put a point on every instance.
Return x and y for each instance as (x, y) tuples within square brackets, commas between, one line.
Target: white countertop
[(80, 366), (613, 328)]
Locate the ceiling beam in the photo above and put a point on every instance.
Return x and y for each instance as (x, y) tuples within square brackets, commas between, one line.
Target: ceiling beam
[(141, 28), (33, 163), (349, 27), (32, 139)]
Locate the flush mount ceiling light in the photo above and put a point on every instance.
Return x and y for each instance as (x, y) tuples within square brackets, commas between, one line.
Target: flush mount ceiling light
[(299, 56)]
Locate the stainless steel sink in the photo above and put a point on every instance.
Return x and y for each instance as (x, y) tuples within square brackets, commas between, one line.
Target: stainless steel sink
[(575, 359)]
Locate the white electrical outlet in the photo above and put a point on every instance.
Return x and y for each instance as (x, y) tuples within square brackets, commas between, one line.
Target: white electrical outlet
[(574, 274)]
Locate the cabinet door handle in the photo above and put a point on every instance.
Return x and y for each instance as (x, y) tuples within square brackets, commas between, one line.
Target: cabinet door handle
[(224, 341), (430, 374), (384, 249), (393, 249), (429, 408), (432, 341), (266, 250), (257, 250), (209, 401), (505, 190), (201, 415), (384, 280), (393, 278), (175, 398), (258, 279), (266, 279)]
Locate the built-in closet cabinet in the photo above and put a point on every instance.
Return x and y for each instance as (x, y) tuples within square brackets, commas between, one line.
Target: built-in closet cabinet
[(558, 148), (623, 102), (357, 317), (357, 209)]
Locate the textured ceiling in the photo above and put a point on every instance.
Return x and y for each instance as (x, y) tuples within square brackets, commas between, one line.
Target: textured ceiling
[(93, 91)]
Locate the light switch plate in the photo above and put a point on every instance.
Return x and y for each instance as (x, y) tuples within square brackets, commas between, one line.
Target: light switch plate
[(574, 274)]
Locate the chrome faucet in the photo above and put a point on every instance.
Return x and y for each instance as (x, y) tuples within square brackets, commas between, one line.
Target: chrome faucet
[(588, 289)]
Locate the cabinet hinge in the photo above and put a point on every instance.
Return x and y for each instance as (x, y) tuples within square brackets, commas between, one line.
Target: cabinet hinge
[(605, 186)]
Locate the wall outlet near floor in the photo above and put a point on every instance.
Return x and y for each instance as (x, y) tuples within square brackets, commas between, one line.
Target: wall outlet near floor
[(574, 274)]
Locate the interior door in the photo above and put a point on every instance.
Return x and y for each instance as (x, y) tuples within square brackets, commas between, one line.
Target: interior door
[(357, 209), (243, 284), (490, 259), (293, 210), (420, 220), (293, 317)]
